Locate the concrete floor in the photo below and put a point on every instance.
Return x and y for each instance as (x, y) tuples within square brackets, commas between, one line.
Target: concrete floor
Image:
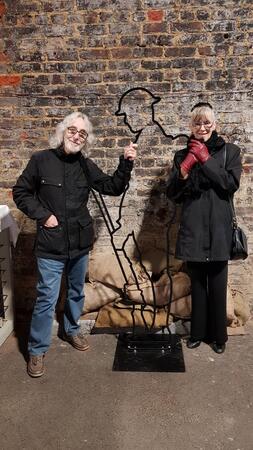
[(80, 403)]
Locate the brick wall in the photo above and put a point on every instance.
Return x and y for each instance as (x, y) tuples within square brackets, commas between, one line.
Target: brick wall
[(62, 55)]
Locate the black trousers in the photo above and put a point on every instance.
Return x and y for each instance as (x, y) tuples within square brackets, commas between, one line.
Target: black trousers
[(209, 299)]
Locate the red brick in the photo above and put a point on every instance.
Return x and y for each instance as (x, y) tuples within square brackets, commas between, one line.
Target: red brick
[(10, 80), (3, 58), (92, 17), (155, 15), (2, 8), (121, 53), (155, 27), (24, 136), (206, 51)]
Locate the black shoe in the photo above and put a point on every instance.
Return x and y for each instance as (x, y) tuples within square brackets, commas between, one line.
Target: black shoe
[(193, 344), (218, 348)]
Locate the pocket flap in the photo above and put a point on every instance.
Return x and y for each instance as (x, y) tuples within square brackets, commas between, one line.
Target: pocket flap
[(51, 181), (85, 222)]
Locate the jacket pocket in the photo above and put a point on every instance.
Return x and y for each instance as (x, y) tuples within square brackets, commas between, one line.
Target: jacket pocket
[(82, 191), (51, 240), (51, 194), (86, 233)]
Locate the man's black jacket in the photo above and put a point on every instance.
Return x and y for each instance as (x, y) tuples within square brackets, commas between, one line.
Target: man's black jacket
[(55, 183)]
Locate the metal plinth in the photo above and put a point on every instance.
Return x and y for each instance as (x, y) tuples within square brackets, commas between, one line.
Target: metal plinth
[(149, 353)]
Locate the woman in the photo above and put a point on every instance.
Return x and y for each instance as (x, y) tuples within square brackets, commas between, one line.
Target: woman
[(203, 178)]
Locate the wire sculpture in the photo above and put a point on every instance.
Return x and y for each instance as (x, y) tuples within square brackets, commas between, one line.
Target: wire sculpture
[(112, 229)]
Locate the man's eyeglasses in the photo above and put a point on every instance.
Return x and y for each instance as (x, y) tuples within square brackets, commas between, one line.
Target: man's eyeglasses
[(206, 124), (81, 133)]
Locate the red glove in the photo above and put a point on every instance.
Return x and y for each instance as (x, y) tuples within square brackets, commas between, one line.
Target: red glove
[(199, 150), (188, 162)]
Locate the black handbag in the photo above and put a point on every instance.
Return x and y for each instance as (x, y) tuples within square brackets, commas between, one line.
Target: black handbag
[(239, 248), (239, 241)]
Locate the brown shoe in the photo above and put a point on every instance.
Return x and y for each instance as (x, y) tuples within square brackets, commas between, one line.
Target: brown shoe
[(78, 341), (36, 367)]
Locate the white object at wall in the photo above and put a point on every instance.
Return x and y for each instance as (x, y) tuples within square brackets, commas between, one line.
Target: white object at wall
[(8, 235)]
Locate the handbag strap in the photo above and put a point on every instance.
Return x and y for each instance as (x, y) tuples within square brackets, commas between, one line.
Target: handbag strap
[(235, 225)]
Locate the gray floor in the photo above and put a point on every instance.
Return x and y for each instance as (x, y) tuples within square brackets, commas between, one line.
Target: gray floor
[(80, 403)]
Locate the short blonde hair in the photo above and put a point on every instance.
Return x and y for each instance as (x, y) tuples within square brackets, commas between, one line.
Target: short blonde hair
[(56, 139), (202, 112)]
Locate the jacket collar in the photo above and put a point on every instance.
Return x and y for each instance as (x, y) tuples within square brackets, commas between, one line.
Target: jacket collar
[(60, 153)]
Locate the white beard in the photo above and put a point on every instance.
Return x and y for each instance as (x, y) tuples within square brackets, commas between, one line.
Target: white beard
[(70, 147)]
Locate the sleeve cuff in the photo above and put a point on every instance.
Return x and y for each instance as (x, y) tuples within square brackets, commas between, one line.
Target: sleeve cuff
[(42, 220), (125, 164)]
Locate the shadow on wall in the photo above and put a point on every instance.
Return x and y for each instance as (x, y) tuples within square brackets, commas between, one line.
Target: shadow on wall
[(156, 238)]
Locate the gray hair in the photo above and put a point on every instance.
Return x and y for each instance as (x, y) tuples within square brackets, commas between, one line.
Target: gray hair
[(202, 112), (56, 139)]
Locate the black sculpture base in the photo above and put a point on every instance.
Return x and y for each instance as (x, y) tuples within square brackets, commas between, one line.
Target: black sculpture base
[(149, 353)]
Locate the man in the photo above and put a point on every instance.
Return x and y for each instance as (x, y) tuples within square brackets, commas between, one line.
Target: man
[(53, 190)]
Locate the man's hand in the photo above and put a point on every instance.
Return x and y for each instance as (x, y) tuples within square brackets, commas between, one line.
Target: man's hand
[(51, 222), (199, 150), (187, 164), (130, 152)]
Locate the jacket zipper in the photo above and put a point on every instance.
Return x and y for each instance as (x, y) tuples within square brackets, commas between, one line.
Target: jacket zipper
[(65, 204)]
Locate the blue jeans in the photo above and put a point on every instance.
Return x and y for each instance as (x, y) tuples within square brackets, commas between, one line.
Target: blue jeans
[(48, 287)]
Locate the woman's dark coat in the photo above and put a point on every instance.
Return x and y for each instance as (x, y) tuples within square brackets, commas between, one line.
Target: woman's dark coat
[(56, 183), (205, 232)]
